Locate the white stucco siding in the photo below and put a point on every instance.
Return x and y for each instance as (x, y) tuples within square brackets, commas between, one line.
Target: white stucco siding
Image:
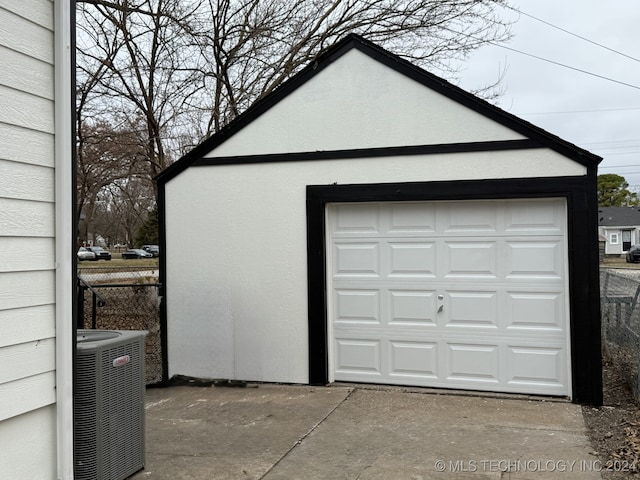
[(356, 102), (237, 259)]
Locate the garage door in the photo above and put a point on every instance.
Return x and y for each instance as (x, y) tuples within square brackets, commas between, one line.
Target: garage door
[(465, 295)]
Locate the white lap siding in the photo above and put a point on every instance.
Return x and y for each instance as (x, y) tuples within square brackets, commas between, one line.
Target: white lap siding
[(27, 240)]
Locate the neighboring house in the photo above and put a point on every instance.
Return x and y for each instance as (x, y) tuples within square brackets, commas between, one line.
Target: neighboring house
[(36, 248), (370, 222), (620, 226)]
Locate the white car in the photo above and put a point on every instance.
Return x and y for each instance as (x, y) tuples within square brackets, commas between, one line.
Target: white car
[(84, 254)]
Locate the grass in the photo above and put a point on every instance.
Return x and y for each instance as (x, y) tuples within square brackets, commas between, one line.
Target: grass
[(618, 262), (149, 263)]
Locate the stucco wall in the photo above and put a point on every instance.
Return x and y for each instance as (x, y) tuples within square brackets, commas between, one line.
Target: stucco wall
[(236, 253), (359, 103), (236, 246)]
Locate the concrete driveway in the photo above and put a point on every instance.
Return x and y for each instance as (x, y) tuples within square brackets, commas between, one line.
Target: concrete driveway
[(267, 431)]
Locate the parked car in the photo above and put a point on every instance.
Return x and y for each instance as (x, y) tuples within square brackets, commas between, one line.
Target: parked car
[(84, 254), (101, 253), (152, 249), (136, 253), (633, 254)]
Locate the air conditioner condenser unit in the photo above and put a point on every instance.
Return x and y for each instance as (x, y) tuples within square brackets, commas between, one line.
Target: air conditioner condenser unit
[(109, 415)]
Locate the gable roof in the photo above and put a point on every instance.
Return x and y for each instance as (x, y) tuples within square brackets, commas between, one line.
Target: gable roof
[(618, 216), (536, 134)]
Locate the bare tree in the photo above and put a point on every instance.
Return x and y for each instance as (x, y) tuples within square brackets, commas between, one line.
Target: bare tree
[(250, 47), (177, 62), (122, 208), (107, 157), (177, 71), (142, 52)]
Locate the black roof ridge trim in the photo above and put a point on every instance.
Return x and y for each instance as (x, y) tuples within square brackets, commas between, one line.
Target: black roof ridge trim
[(495, 145), (334, 52)]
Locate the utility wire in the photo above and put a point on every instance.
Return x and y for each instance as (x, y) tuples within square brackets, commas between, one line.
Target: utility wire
[(566, 66), (613, 141), (619, 166), (559, 63), (620, 153), (573, 34), (580, 111), (621, 147)]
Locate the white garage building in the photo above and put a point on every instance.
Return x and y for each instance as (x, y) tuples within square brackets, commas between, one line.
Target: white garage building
[(370, 222)]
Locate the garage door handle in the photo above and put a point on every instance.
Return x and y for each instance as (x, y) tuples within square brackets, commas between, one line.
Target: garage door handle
[(440, 308)]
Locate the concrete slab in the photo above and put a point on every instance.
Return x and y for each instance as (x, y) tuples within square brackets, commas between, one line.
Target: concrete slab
[(288, 432)]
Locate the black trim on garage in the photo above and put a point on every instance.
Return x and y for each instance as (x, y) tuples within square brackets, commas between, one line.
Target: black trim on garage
[(466, 147), (162, 279), (584, 298)]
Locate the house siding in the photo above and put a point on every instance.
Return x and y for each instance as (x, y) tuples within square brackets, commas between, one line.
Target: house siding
[(616, 247), (27, 240)]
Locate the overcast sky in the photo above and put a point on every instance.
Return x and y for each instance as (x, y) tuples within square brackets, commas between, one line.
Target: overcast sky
[(597, 114)]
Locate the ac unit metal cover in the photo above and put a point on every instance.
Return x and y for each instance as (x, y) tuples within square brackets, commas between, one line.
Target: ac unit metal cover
[(109, 416)]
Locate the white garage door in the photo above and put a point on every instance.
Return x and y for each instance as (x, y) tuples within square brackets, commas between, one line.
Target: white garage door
[(466, 295)]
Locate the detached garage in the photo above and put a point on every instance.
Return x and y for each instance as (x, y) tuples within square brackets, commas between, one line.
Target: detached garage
[(370, 222)]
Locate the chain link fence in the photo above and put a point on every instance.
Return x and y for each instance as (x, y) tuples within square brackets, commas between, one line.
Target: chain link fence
[(619, 303), (124, 299)]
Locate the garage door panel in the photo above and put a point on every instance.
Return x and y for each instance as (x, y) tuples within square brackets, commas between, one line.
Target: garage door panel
[(412, 259), (534, 259), (467, 217), (413, 359), (473, 362), (412, 219), (412, 307), (360, 356), (539, 366), (356, 219), (357, 259), (542, 311), (357, 306), (470, 259), (465, 295), (471, 309), (542, 217)]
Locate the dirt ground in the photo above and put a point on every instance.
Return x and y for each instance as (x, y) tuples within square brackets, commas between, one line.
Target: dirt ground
[(614, 428)]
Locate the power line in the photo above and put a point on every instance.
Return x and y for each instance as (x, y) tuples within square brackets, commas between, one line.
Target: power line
[(619, 166), (580, 111), (615, 148), (566, 66), (574, 34), (620, 153), (611, 141), (586, 72)]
